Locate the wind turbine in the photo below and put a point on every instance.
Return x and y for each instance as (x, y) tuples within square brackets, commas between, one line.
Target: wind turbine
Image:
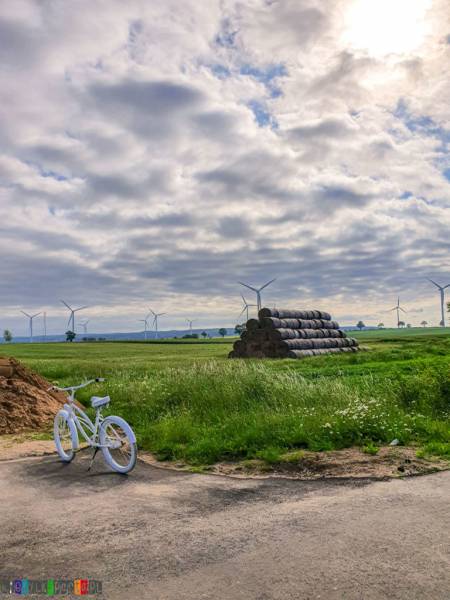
[(398, 308), (72, 314), (145, 321), (155, 321), (246, 306), (31, 317), (441, 289), (190, 321), (84, 326), (257, 291)]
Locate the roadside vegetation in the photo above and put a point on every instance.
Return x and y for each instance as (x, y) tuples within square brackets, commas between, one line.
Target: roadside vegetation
[(188, 402)]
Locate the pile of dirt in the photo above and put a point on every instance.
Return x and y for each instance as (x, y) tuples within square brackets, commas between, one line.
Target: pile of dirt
[(25, 402)]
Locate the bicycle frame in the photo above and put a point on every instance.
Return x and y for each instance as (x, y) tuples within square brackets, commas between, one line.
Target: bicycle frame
[(81, 420)]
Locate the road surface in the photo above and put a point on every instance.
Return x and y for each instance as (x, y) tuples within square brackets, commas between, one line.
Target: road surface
[(160, 534)]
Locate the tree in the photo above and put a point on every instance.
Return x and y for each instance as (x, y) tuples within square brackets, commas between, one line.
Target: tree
[(360, 325), (424, 323), (223, 332), (204, 334), (70, 336), (239, 329), (7, 335), (401, 323), (409, 325), (380, 325)]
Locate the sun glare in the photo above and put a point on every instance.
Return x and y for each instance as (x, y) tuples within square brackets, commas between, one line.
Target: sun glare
[(384, 27)]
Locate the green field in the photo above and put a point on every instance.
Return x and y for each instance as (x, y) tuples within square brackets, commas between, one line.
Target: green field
[(187, 401)]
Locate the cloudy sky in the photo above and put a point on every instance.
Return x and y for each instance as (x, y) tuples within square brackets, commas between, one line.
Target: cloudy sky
[(154, 153)]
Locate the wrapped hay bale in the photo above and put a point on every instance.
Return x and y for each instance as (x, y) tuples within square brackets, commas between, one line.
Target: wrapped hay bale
[(301, 344), (252, 324), (275, 323), (283, 333), (286, 313), (318, 351)]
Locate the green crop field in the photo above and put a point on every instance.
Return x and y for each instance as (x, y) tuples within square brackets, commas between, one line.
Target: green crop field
[(186, 400)]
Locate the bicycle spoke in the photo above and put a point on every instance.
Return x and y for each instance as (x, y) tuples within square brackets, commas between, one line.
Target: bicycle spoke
[(118, 444)]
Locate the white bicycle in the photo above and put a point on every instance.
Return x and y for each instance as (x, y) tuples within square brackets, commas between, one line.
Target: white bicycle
[(111, 434)]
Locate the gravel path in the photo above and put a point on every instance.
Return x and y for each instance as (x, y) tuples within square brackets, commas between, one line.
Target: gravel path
[(160, 534)]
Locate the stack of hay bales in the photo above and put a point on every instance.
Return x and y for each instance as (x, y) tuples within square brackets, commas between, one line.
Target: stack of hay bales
[(285, 333)]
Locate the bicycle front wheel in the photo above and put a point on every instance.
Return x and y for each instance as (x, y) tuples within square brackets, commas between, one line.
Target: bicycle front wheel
[(65, 436), (118, 444)]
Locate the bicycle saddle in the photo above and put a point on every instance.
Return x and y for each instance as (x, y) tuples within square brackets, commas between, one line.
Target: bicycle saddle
[(97, 401)]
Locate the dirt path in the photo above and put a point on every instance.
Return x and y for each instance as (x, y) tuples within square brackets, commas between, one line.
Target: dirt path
[(348, 463), (168, 535)]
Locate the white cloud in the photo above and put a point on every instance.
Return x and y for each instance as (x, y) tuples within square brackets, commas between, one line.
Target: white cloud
[(157, 152)]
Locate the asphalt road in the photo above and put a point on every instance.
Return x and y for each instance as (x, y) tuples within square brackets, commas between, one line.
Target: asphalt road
[(159, 534)]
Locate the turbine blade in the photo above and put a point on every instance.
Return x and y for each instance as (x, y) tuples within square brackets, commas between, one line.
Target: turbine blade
[(65, 304), (266, 284), (26, 314), (436, 284), (402, 309), (81, 308), (242, 311), (248, 286)]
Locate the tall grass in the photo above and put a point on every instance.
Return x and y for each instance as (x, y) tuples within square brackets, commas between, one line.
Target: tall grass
[(216, 410), (187, 401)]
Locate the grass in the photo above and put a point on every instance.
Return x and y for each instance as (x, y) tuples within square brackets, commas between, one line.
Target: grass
[(187, 402)]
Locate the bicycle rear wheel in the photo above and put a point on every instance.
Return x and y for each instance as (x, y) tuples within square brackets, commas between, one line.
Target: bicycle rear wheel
[(65, 436), (118, 444)]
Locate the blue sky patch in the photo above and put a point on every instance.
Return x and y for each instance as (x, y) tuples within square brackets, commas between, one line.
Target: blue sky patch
[(262, 115), (53, 175), (422, 124), (267, 76), (220, 71)]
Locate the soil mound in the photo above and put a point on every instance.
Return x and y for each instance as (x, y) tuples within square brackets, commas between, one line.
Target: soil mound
[(25, 403)]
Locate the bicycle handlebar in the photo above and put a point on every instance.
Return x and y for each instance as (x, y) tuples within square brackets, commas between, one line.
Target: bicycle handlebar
[(76, 387)]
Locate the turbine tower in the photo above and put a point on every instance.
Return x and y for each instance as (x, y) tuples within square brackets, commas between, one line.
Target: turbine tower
[(441, 289), (30, 317), (72, 314), (190, 321), (257, 291), (398, 308), (145, 321), (155, 321), (246, 306)]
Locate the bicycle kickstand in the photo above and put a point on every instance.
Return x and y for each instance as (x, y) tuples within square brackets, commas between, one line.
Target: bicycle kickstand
[(92, 459)]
